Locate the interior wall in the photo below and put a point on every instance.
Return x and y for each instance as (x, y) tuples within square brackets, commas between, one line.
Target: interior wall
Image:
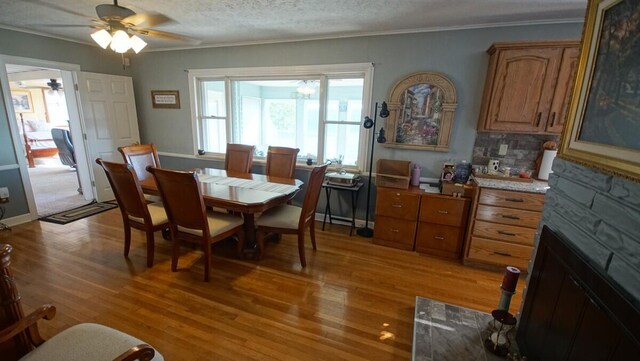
[(460, 55)]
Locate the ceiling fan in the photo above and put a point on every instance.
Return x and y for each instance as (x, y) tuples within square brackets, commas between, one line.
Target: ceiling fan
[(119, 26)]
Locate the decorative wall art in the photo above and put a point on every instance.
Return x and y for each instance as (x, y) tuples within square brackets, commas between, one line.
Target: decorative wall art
[(603, 125), (22, 101), (167, 99), (421, 107)]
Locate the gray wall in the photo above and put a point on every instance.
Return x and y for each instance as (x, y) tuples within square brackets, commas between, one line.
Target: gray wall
[(599, 214), (90, 58)]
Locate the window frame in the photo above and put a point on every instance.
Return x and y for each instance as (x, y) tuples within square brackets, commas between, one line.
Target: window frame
[(322, 72)]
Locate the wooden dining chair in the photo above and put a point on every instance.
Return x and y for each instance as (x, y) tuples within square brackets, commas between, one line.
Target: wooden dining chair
[(239, 158), (136, 211), (20, 338), (140, 156), (281, 162), (188, 218), (288, 219)]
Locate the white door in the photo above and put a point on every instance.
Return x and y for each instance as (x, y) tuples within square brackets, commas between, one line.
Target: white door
[(109, 111)]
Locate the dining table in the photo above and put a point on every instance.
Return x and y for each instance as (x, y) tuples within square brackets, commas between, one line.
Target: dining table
[(246, 193)]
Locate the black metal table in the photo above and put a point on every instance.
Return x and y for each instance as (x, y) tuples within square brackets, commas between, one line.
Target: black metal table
[(354, 190)]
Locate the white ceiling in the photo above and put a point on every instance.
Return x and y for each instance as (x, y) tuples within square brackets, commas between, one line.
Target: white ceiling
[(235, 22)]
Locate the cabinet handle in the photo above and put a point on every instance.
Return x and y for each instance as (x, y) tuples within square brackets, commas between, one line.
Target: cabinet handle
[(508, 216), (517, 200), (438, 237), (507, 233), (553, 119), (502, 254), (443, 212), (539, 118), (396, 205), (394, 230)]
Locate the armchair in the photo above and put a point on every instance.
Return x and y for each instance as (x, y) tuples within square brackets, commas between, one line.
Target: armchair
[(21, 340)]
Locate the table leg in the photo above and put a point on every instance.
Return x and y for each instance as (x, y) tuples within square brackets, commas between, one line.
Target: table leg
[(327, 208), (250, 246), (354, 203)]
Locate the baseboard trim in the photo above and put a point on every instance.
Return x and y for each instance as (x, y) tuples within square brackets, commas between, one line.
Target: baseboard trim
[(14, 221)]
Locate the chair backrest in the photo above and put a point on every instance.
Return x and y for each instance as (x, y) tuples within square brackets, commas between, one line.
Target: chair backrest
[(239, 158), (62, 138), (281, 162), (11, 309), (140, 156), (314, 185), (182, 198), (126, 188)]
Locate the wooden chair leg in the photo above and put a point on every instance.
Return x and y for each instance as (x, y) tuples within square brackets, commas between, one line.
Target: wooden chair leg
[(127, 240), (312, 231), (206, 247), (303, 260), (175, 252), (260, 242), (240, 245), (150, 248)]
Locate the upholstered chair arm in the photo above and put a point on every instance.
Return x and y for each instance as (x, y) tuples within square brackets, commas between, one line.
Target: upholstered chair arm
[(142, 352), (46, 311)]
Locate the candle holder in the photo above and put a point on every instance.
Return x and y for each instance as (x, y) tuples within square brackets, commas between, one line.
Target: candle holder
[(500, 329)]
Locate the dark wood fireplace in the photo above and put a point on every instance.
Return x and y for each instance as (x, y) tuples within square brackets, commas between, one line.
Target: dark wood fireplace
[(573, 311)]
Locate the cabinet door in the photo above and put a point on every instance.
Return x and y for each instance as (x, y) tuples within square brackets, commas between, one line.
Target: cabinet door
[(522, 89), (562, 95)]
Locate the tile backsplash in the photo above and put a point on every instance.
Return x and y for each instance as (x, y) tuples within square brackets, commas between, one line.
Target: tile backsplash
[(521, 153)]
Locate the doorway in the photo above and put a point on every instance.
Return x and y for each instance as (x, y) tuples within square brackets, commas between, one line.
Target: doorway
[(47, 133)]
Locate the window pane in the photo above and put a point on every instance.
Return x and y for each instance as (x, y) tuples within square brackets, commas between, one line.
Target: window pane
[(213, 102), (214, 135), (344, 100), (342, 139)]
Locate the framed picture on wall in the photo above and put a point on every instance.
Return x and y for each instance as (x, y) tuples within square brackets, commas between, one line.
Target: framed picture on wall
[(22, 102), (602, 129), (167, 99)]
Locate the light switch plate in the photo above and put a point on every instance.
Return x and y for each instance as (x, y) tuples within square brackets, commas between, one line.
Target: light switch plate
[(503, 149)]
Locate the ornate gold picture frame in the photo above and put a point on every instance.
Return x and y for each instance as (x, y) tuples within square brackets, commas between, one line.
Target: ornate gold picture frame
[(603, 124), (421, 110)]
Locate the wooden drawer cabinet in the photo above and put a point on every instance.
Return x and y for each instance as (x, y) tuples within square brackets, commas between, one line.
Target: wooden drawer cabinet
[(396, 217), (528, 86), (503, 228), (442, 225)]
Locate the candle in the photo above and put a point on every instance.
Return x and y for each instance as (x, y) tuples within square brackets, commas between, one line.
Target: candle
[(510, 279)]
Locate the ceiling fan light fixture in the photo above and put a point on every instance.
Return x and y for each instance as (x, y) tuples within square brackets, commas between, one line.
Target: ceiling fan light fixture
[(307, 87), (120, 42), (102, 37), (136, 43)]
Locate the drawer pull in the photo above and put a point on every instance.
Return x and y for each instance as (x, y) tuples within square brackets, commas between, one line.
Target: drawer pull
[(508, 216), (539, 118), (396, 205), (438, 237), (507, 233), (502, 254), (395, 230), (516, 200), (443, 212), (553, 119)]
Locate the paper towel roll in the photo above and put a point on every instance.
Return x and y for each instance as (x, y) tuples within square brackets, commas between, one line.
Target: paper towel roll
[(545, 165)]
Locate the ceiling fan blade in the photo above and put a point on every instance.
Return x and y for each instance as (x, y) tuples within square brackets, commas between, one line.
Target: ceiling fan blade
[(165, 35), (147, 20), (57, 7)]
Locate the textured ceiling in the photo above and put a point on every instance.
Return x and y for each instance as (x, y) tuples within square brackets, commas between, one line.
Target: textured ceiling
[(232, 22)]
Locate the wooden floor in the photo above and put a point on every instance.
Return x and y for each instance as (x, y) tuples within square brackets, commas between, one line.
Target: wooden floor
[(353, 301)]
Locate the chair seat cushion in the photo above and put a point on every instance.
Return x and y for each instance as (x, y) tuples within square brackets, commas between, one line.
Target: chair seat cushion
[(284, 216), (86, 341), (218, 223), (157, 213)]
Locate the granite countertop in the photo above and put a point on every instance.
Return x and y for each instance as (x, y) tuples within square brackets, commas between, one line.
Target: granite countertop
[(443, 332), (536, 186)]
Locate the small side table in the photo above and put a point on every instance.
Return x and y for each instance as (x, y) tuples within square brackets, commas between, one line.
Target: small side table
[(354, 190)]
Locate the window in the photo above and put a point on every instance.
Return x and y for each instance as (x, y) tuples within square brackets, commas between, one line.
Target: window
[(317, 109)]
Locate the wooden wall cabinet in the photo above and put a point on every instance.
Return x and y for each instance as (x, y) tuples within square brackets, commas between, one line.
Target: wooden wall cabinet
[(442, 223), (528, 86), (503, 228)]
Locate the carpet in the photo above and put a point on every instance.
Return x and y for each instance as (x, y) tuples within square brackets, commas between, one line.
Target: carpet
[(55, 187), (78, 213)]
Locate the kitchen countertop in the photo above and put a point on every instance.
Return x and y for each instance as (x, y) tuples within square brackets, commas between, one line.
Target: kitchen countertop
[(536, 186)]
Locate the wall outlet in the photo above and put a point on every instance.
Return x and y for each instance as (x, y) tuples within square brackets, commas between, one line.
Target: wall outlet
[(503, 149), (4, 194)]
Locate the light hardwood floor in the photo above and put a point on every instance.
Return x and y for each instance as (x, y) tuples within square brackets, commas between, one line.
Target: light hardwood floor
[(353, 301)]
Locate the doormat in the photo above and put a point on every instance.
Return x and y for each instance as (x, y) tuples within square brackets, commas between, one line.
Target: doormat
[(71, 215)]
